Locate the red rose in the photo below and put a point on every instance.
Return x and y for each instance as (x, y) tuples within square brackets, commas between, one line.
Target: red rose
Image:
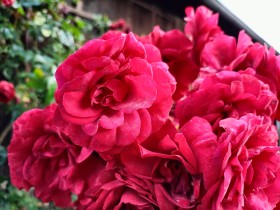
[(228, 94), (8, 3), (222, 52), (176, 51), (167, 159), (225, 53), (115, 89), (7, 91), (103, 187), (122, 192), (120, 25), (269, 71), (110, 188), (201, 27), (40, 156), (245, 166)]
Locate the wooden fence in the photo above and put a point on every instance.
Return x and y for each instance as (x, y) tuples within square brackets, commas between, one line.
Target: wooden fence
[(139, 14)]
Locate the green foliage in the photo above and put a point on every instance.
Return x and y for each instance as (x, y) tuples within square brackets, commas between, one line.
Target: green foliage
[(3, 155), (35, 37), (13, 199)]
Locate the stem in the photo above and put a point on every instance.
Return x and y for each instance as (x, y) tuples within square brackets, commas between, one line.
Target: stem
[(16, 20), (5, 132)]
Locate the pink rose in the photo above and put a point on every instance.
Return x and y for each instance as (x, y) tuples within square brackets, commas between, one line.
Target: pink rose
[(167, 159), (112, 184), (8, 3), (228, 94), (122, 192), (114, 189), (40, 156), (120, 25), (269, 71), (116, 90), (176, 51), (224, 52), (7, 91), (80, 177), (104, 187), (245, 166), (201, 27)]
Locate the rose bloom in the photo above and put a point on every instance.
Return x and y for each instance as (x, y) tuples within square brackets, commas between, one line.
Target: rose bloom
[(169, 160), (111, 185), (116, 90), (244, 167), (215, 51), (7, 3), (176, 51), (119, 191), (110, 188), (269, 71), (226, 53), (40, 156), (120, 25), (201, 27), (228, 94), (7, 91)]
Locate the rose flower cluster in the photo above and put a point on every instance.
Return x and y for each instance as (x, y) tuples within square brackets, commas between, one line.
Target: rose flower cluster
[(172, 120)]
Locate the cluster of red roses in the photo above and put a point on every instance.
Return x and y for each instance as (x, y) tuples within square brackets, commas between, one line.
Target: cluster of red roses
[(172, 120)]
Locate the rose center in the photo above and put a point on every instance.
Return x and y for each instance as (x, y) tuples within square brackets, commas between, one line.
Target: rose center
[(48, 146), (181, 184), (178, 181), (102, 96)]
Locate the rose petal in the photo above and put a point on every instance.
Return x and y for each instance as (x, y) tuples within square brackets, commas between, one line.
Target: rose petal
[(142, 93), (111, 119), (96, 64)]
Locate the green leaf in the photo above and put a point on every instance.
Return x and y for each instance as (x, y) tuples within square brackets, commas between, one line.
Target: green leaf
[(66, 38), (36, 80), (29, 55), (38, 72), (51, 87), (16, 50), (46, 32), (39, 19), (7, 33), (80, 23), (20, 11), (9, 70), (3, 155)]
